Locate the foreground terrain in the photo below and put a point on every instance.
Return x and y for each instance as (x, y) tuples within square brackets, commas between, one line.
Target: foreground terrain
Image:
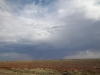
[(51, 67)]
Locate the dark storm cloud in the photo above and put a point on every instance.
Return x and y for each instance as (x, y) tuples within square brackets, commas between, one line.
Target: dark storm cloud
[(42, 51)]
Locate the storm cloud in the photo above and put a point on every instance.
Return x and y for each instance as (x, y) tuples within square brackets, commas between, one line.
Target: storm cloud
[(49, 29)]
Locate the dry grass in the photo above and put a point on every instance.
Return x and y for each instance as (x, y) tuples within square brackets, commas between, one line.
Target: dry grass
[(25, 71), (41, 71)]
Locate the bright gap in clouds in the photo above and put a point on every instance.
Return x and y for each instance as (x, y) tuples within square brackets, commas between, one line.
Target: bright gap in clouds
[(52, 26), (84, 55)]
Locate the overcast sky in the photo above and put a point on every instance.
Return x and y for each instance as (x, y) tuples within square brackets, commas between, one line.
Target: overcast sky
[(49, 29)]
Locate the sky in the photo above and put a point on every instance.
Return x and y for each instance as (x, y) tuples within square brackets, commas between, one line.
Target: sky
[(49, 29)]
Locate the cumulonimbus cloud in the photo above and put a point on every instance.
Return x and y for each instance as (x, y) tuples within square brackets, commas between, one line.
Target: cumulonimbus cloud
[(72, 25)]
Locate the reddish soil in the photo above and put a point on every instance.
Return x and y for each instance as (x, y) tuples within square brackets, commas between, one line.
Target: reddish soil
[(61, 65)]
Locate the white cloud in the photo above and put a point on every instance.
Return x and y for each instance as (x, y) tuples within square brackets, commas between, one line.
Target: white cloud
[(84, 55), (91, 8), (14, 56), (32, 23), (46, 24)]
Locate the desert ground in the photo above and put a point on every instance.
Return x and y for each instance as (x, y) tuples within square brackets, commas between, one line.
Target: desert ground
[(51, 67)]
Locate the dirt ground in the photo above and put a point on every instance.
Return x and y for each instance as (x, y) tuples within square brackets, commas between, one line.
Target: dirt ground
[(50, 67)]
